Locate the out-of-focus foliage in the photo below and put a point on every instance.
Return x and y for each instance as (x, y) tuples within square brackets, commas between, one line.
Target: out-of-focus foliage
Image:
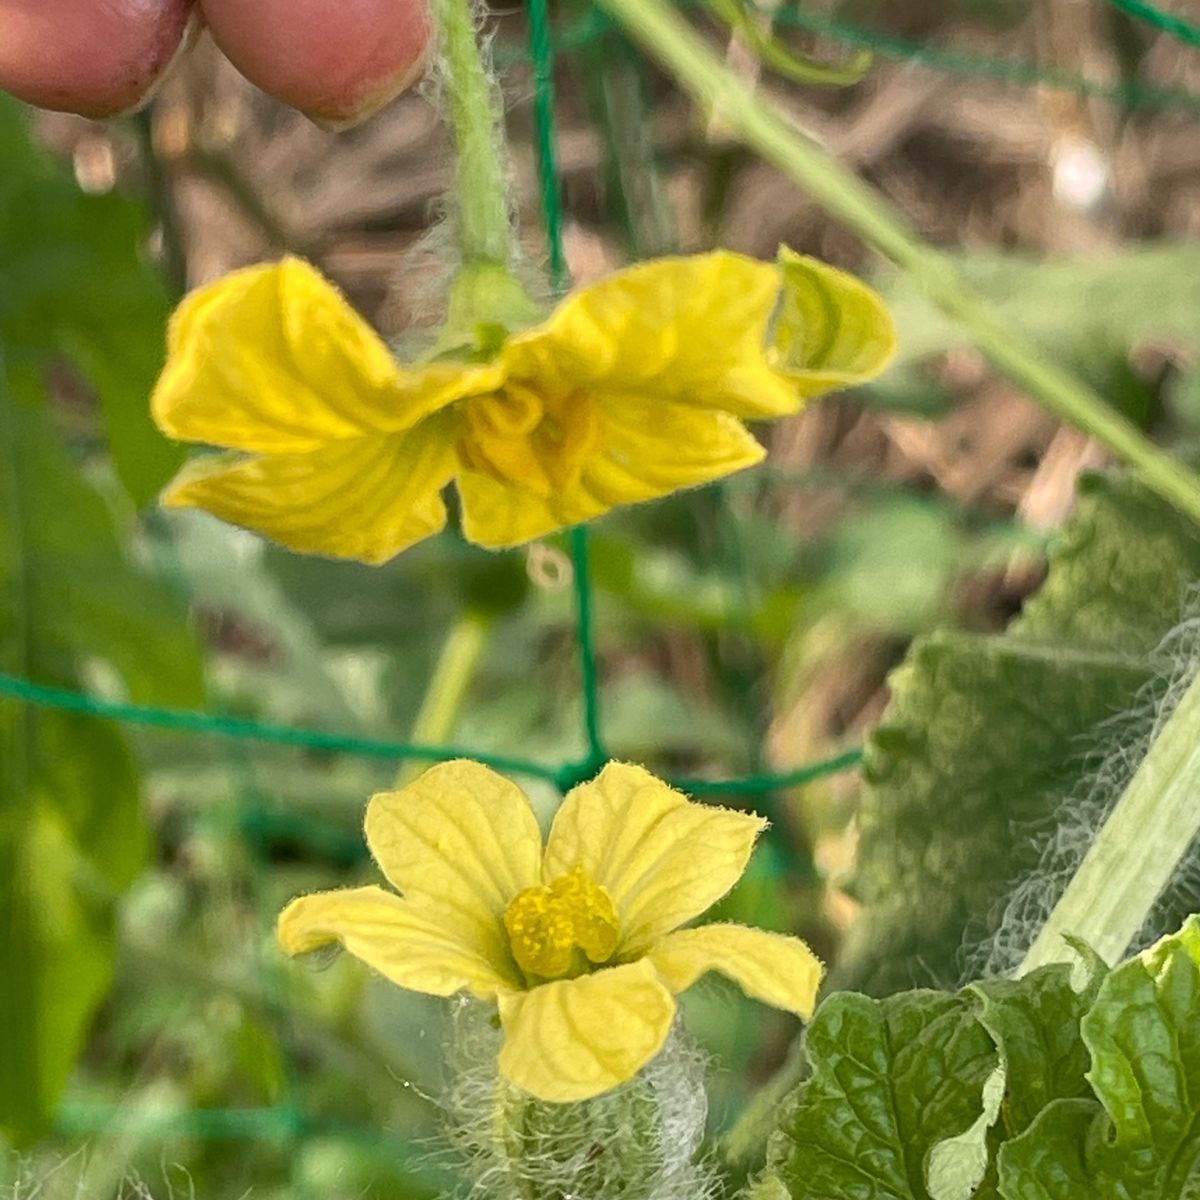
[(72, 836), (1089, 314), (77, 292)]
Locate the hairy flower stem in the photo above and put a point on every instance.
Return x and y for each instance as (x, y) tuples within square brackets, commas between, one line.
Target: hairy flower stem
[(1137, 850), (475, 115), (762, 126), (452, 674)]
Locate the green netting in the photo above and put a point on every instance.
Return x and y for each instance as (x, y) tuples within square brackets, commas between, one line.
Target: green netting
[(288, 1120), (1025, 73)]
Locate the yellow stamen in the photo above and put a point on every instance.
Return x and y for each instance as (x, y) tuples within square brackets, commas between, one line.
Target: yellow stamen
[(547, 924)]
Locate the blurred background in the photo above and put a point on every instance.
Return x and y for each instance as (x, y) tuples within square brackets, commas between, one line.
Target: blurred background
[(748, 627)]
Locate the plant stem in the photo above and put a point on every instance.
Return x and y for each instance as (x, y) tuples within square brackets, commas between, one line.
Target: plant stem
[(447, 686), (1137, 850), (162, 204), (484, 221), (767, 129)]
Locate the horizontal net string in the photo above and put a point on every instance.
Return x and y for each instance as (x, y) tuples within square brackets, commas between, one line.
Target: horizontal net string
[(192, 722), (280, 1123)]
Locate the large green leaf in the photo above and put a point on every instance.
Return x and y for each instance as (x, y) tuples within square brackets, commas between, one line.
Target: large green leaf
[(73, 286), (1139, 1137), (989, 744)]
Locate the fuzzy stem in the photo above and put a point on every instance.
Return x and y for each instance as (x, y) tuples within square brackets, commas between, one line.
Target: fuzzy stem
[(447, 686), (484, 225), (765, 128), (1136, 851)]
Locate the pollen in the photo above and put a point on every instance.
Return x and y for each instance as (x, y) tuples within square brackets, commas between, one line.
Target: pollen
[(548, 926)]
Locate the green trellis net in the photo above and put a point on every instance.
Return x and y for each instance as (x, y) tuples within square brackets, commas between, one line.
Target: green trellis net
[(288, 1120)]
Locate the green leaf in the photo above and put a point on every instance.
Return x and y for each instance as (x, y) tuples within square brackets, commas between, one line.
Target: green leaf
[(1139, 1138), (82, 599), (72, 835), (891, 1079), (1035, 1023), (988, 737), (76, 288)]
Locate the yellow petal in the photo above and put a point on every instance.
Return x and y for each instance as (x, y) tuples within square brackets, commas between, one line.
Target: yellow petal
[(778, 970), (662, 859), (366, 498), (459, 842), (273, 360), (692, 329), (576, 1038), (654, 447), (831, 331), (411, 948), (649, 448), (497, 515)]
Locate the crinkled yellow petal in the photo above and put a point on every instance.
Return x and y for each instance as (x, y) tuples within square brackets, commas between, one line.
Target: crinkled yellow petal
[(778, 970), (365, 498), (273, 360), (576, 1038), (662, 859), (409, 947), (654, 447), (459, 842), (693, 330), (497, 515), (831, 330), (648, 449)]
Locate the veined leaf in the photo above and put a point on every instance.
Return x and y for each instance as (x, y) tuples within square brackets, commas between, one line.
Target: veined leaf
[(891, 1079), (988, 739), (1010, 1090), (1139, 1138)]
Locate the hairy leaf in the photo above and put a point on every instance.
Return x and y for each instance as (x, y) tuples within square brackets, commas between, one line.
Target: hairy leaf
[(989, 738)]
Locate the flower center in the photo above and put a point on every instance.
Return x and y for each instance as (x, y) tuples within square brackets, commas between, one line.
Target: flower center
[(549, 926), (519, 436)]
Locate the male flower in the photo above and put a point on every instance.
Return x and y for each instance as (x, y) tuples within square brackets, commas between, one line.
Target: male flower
[(632, 388)]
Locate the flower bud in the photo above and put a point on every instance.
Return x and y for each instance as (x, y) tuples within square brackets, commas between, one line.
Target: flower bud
[(96, 58), (338, 61)]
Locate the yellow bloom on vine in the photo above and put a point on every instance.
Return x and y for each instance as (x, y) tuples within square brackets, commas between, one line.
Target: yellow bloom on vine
[(578, 943), (632, 388)]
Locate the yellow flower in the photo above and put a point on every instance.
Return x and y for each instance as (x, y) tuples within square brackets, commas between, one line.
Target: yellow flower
[(630, 389), (578, 943)]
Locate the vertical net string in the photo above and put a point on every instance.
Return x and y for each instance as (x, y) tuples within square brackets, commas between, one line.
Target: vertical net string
[(541, 50)]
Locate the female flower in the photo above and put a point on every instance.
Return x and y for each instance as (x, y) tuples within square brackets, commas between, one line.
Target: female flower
[(578, 943), (630, 389)]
